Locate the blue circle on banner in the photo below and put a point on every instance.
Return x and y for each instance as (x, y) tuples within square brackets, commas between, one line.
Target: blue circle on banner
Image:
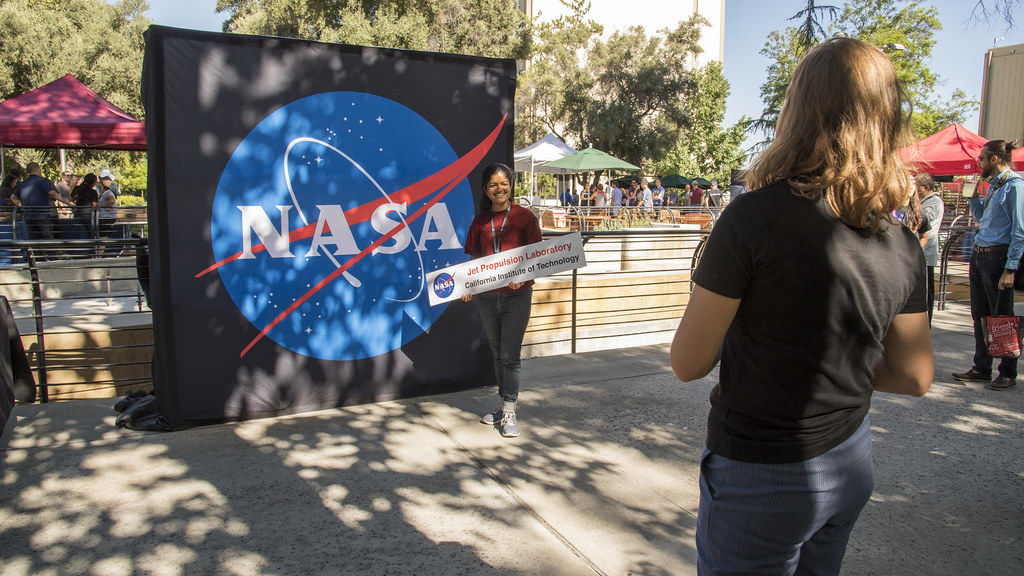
[(324, 230)]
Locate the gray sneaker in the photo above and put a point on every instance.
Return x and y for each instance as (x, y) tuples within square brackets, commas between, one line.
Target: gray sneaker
[(509, 427), (491, 418)]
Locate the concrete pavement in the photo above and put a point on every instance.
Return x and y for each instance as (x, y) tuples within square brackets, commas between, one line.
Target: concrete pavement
[(603, 480)]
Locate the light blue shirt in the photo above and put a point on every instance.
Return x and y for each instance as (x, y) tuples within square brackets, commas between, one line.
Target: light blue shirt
[(1001, 218)]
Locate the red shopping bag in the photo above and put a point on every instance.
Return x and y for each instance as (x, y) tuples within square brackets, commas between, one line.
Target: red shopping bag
[(1002, 333)]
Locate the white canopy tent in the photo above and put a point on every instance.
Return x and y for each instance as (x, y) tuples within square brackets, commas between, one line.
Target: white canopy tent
[(533, 158)]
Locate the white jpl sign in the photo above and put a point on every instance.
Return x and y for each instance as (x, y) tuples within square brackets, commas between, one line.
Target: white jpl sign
[(516, 265)]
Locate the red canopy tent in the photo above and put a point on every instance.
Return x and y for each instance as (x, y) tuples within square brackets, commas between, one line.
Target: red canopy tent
[(952, 151), (66, 114)]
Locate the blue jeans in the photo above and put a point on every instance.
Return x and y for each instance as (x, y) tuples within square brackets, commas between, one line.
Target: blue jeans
[(505, 317), (792, 519), (988, 300)]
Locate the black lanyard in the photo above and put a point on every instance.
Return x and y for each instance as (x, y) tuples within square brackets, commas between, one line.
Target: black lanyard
[(496, 239), (993, 187)]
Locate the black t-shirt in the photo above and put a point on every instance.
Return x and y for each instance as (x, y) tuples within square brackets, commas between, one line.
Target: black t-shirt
[(817, 297)]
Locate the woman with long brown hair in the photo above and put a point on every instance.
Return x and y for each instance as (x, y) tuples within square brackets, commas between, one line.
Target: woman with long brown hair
[(813, 297)]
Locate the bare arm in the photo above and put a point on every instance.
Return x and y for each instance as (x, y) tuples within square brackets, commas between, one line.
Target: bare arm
[(906, 365), (698, 340), (55, 196)]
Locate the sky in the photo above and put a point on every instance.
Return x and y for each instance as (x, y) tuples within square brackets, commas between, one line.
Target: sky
[(957, 57)]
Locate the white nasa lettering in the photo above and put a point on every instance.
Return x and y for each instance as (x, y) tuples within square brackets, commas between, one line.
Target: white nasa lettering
[(381, 223), (437, 226), (341, 234), (441, 219), (256, 220)]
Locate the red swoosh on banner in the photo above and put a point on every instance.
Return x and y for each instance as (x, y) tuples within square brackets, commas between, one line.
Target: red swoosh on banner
[(449, 177), (410, 194)]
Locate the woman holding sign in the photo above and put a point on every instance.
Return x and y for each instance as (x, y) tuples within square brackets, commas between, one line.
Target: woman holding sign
[(502, 225), (813, 297)]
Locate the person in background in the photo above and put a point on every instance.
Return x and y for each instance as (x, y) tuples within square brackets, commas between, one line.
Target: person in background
[(696, 195), (11, 182), (107, 205), (616, 199), (672, 197), (65, 184), (114, 187), (633, 194), (998, 246), (932, 210), (658, 193), (6, 190), (601, 197), (813, 297), (86, 199), (589, 198), (505, 312), (565, 198), (38, 197), (645, 196), (714, 195)]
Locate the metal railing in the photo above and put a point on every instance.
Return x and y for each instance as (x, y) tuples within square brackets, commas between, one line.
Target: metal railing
[(82, 313), (632, 291), (73, 223), (610, 218), (84, 318), (954, 264)]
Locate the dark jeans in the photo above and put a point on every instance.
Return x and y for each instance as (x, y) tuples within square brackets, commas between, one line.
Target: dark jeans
[(988, 300), (931, 293), (40, 228), (505, 317), (793, 518)]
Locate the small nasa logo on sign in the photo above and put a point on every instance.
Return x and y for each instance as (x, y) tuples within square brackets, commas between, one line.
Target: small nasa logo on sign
[(444, 285)]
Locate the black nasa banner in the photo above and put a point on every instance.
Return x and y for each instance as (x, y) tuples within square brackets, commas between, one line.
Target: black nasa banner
[(299, 195)]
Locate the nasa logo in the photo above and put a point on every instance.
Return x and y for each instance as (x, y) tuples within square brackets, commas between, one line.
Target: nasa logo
[(327, 219), (444, 285)]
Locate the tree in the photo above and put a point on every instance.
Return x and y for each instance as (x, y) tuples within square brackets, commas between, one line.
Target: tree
[(99, 43), (632, 95), (707, 149), (811, 30), (904, 30), (1005, 9), (637, 106), (494, 28), (784, 50), (554, 75), (884, 24)]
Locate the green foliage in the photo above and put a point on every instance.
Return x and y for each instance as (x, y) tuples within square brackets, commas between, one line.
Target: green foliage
[(549, 87), (126, 199), (634, 94), (132, 172), (638, 106), (883, 23), (98, 43), (707, 149), (494, 28)]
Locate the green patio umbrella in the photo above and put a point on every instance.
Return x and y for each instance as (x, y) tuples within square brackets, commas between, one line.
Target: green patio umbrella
[(675, 181), (591, 160), (703, 183)]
